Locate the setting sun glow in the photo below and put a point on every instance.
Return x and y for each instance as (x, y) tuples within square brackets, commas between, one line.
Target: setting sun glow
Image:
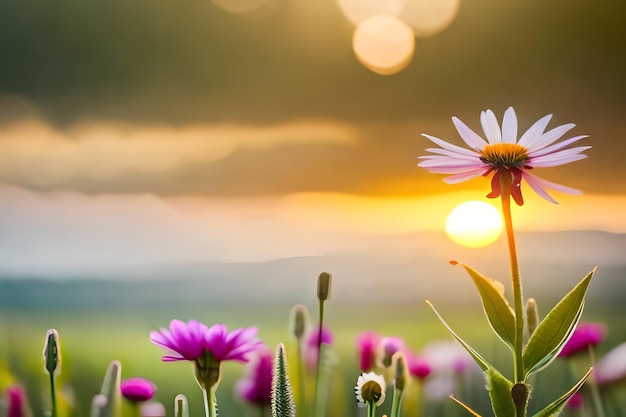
[(474, 224)]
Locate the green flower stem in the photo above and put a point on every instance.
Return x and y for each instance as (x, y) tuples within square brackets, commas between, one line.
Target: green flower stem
[(209, 402), (371, 409), (593, 387), (135, 410), (301, 383), (316, 392), (505, 194), (396, 404), (53, 395)]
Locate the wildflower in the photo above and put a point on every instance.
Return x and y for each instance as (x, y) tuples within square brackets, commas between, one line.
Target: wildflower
[(17, 403), (137, 389), (388, 346), (419, 367), (504, 156), (366, 344), (256, 386), (370, 388), (206, 347), (575, 401), (152, 409), (312, 343), (299, 321), (585, 335), (612, 367)]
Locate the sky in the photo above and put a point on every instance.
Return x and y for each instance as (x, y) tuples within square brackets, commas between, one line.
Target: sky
[(135, 132)]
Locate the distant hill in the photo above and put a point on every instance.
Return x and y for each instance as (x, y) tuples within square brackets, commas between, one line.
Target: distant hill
[(398, 269)]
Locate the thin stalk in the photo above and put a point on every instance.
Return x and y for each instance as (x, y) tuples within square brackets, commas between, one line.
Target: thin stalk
[(53, 395), (593, 388), (505, 194), (316, 392), (302, 383), (396, 402), (209, 402), (371, 409)]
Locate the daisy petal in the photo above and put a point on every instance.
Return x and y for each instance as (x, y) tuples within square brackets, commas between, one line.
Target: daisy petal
[(449, 146), (535, 131), (470, 137), (559, 158), (490, 127), (509, 126), (464, 176), (550, 137), (557, 146)]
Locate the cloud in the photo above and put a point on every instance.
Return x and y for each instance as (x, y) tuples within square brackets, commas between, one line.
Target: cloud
[(35, 154)]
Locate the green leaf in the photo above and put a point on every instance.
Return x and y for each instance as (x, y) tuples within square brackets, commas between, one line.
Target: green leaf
[(497, 309), (557, 405), (110, 401), (484, 365), (500, 393), (555, 329)]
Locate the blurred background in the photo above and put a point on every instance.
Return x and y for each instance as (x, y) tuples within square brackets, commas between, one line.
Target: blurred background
[(208, 159)]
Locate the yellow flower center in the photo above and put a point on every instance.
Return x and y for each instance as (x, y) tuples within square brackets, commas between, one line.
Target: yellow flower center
[(504, 155), (371, 391)]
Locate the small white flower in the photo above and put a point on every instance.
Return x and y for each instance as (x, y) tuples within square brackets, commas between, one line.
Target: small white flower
[(370, 388)]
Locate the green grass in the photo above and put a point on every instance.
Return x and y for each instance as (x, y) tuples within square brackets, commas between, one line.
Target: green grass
[(91, 339)]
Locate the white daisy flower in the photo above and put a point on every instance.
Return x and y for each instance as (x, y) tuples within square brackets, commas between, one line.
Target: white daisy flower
[(503, 154), (370, 388)]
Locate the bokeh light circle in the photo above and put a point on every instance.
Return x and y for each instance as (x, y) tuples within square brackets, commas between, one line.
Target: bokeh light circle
[(428, 17), (239, 6), (384, 44), (358, 10)]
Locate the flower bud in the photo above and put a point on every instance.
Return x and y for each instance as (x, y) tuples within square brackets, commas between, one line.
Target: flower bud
[(299, 321), (323, 286), (52, 352), (532, 315)]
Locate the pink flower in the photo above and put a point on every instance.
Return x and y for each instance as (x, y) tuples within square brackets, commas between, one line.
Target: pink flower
[(367, 343), (504, 155), (17, 402), (585, 335), (419, 367), (256, 386), (183, 341), (388, 346), (611, 368), (137, 389), (191, 341), (310, 348), (575, 401)]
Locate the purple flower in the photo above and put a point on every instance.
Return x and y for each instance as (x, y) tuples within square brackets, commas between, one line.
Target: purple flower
[(585, 335), (367, 343), (256, 386), (191, 341), (184, 341), (137, 389), (17, 402)]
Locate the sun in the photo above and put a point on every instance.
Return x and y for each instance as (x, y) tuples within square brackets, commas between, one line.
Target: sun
[(474, 224)]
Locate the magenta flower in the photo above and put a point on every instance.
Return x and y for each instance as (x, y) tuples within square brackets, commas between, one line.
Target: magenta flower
[(585, 335), (310, 348), (419, 367), (206, 347), (17, 404), (367, 343), (183, 341), (575, 401), (256, 386), (191, 341), (504, 155), (137, 389), (388, 346)]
